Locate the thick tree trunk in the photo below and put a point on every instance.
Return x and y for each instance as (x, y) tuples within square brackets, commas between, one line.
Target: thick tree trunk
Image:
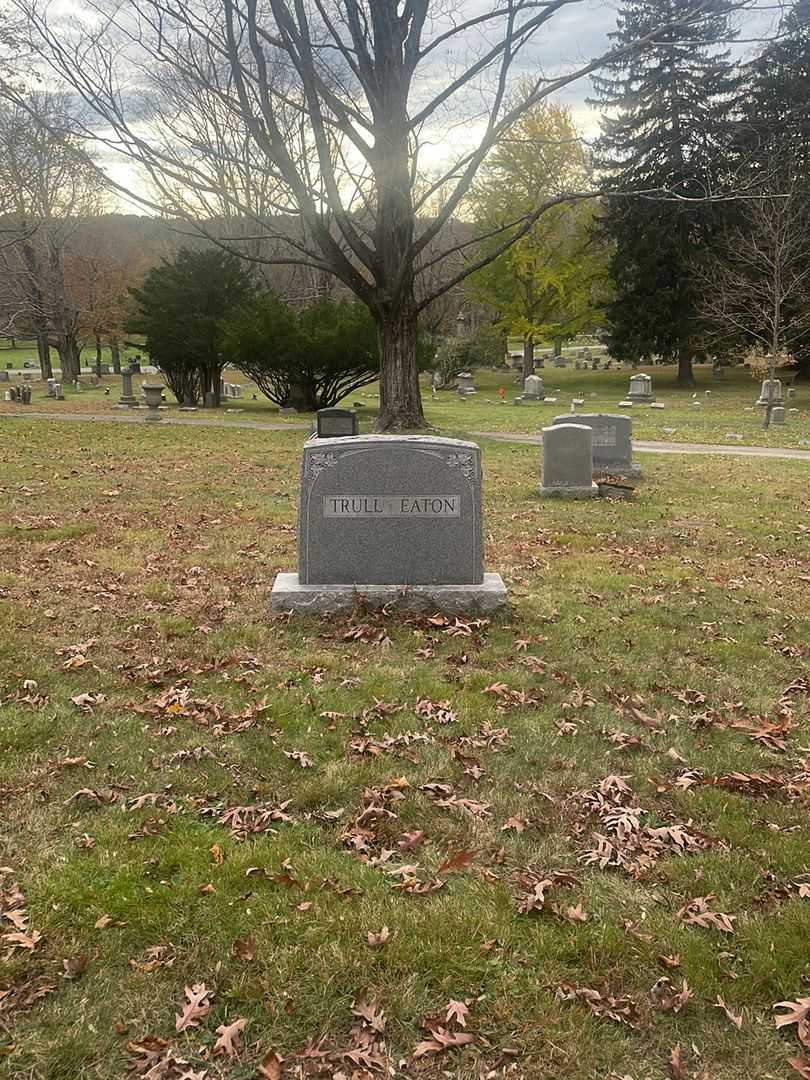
[(98, 357), (558, 344), (302, 396), (528, 356), (115, 356), (685, 374), (400, 399), (68, 357), (44, 353), (210, 377)]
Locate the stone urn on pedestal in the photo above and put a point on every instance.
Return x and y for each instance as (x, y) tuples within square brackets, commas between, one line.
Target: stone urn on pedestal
[(154, 395)]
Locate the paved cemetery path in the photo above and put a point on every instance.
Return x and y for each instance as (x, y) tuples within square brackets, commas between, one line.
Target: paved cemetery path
[(500, 436), (139, 418), (670, 447)]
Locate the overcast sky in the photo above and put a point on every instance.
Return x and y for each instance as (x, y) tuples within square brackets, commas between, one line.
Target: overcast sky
[(574, 35)]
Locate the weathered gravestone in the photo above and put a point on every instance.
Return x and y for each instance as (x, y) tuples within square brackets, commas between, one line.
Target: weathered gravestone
[(640, 389), (771, 394), (390, 518), (465, 384), (777, 414), (612, 442), (533, 389), (568, 462)]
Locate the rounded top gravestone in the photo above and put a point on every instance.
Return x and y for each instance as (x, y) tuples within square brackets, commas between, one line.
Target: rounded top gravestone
[(533, 388), (568, 462), (612, 441), (771, 392)]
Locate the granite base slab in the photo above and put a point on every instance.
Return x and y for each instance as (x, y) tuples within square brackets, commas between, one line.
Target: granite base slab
[(618, 470), (288, 594), (570, 492)]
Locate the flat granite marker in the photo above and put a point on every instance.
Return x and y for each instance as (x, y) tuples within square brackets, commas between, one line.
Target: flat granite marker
[(390, 517)]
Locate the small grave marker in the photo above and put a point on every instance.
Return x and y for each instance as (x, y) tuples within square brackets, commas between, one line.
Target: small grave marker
[(568, 462), (336, 423)]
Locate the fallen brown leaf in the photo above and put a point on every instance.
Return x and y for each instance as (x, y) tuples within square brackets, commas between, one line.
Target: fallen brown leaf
[(442, 1040), (245, 949), (735, 1018), (797, 1013), (677, 1070), (458, 861), (229, 1042), (196, 1007), (376, 941), (74, 966), (456, 1012), (271, 1065)]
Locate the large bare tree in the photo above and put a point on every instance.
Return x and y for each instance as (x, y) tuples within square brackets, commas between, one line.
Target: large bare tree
[(49, 188), (756, 288), (341, 104)]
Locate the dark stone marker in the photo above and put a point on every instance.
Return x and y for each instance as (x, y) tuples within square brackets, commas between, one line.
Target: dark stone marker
[(336, 423)]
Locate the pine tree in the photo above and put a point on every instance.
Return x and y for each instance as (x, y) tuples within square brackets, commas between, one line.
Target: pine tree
[(775, 110), (774, 129), (666, 121)]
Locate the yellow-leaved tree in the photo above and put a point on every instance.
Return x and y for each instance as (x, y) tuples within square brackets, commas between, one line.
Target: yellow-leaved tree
[(551, 283)]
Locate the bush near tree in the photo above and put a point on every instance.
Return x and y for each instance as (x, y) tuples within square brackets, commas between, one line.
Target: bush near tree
[(306, 359), (180, 310)]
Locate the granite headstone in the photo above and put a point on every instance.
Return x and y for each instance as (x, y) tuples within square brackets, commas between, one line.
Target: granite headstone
[(771, 395), (391, 518), (612, 442), (568, 462), (640, 389), (533, 389), (336, 423)]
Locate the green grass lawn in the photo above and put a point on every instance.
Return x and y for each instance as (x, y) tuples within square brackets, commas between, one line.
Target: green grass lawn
[(728, 408), (549, 813)]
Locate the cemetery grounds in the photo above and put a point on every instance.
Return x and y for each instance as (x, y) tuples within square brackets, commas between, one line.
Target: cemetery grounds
[(569, 843), (727, 409)]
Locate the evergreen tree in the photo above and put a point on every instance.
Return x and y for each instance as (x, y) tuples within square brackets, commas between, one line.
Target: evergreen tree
[(775, 110), (666, 122), (181, 308), (774, 131)]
